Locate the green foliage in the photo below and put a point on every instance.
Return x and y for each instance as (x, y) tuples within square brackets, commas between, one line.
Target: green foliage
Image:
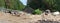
[(17, 5), (45, 4), (41, 4), (54, 4), (2, 3), (21, 6), (37, 11), (57, 7), (13, 4)]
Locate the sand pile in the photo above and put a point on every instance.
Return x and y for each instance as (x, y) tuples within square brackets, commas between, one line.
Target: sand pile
[(8, 18)]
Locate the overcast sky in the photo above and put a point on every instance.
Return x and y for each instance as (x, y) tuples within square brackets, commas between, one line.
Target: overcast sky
[(24, 2)]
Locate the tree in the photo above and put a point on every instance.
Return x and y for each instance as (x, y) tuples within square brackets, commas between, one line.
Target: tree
[(45, 4), (12, 4), (2, 3), (41, 4)]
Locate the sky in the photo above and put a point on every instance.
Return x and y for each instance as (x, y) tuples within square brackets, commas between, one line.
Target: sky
[(24, 2)]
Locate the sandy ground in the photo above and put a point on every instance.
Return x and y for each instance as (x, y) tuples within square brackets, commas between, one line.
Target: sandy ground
[(8, 18)]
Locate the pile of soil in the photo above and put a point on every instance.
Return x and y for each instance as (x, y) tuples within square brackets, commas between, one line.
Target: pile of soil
[(8, 18)]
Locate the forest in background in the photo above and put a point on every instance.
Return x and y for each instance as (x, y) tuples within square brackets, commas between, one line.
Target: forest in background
[(12, 4), (45, 4), (37, 5)]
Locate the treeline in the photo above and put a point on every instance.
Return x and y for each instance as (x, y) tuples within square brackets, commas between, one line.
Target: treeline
[(45, 4), (12, 4)]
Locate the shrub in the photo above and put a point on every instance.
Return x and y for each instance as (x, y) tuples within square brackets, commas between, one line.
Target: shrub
[(37, 11)]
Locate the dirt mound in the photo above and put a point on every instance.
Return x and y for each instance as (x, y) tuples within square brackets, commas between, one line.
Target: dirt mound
[(8, 18), (48, 21)]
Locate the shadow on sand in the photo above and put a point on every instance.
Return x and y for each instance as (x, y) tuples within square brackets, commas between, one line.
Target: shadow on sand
[(48, 21)]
